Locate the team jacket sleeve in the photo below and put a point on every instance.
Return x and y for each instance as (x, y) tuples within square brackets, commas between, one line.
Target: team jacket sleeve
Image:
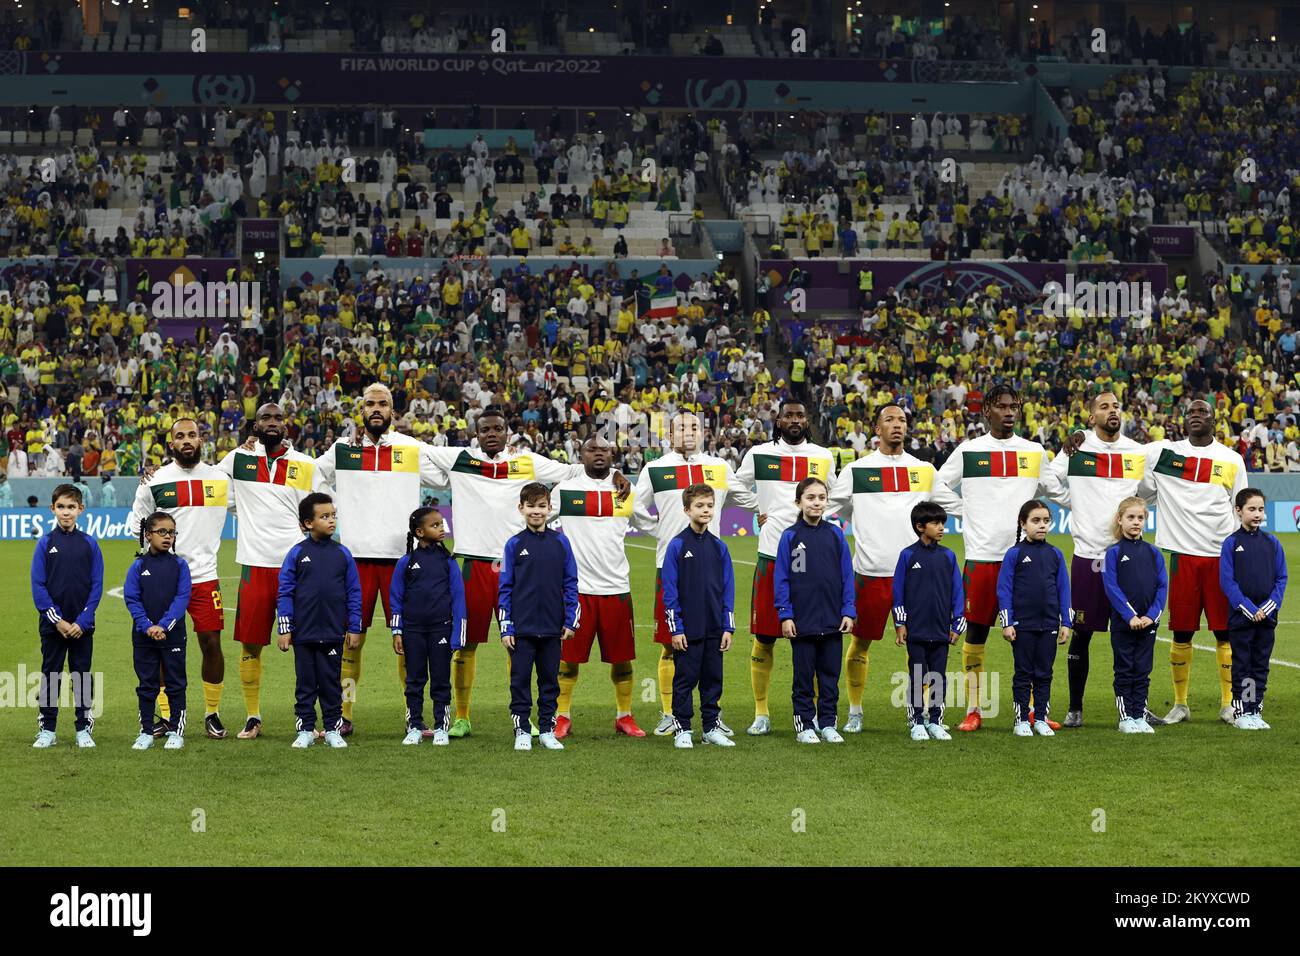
[(141, 508), (728, 589), (950, 473), (284, 596), (1006, 587), (396, 591), (1162, 587), (848, 599), (1110, 581), (86, 619), (745, 474), (841, 493), (668, 578), (505, 589), (352, 581), (176, 612), (325, 468), (435, 466), (1274, 602), (131, 595), (781, 578), (739, 494), (571, 606), (1063, 590), (1146, 489), (958, 625), (1053, 483), (227, 466), (40, 594), (947, 499), (900, 589), (458, 612), (549, 471), (1228, 578), (643, 498)]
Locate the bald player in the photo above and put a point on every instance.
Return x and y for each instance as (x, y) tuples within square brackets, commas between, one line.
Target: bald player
[(659, 490)]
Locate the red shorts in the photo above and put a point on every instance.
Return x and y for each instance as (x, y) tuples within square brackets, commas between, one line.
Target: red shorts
[(608, 616), (763, 621), (376, 576), (980, 581), (1194, 587), (874, 600), (205, 606), (259, 593), (481, 581), (661, 617)]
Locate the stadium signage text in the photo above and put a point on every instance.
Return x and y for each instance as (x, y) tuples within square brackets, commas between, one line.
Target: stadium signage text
[(499, 64)]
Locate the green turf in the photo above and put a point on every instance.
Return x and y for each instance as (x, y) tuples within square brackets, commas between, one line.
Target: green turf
[(1197, 794)]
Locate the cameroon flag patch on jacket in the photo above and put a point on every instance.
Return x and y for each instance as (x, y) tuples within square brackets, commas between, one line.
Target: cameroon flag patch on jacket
[(1200, 470), (1086, 464), (790, 468), (681, 477), (1001, 464), (191, 494), (594, 504), (376, 458), (291, 474), (512, 469), (868, 480)]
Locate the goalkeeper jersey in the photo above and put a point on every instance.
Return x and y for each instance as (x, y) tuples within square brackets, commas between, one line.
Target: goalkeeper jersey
[(773, 470), (485, 494), (996, 477), (1194, 486), (596, 522), (661, 484), (266, 495), (1091, 483), (879, 493), (198, 499)]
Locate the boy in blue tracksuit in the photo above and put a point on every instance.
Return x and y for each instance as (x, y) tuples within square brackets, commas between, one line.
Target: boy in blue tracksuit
[(815, 603), (699, 589), (1252, 570), (67, 583), (1133, 574), (427, 600), (928, 618), (157, 592), (319, 600), (537, 601), (1035, 615)]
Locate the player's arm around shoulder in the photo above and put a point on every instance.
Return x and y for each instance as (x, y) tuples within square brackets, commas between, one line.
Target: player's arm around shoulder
[(352, 584)]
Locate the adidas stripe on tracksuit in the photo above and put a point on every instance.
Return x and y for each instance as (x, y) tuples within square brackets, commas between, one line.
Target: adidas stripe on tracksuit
[(67, 583), (157, 592), (928, 601), (1034, 598), (1133, 573), (1252, 570), (427, 598)]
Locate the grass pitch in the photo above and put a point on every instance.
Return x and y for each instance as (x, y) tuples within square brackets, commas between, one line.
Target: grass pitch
[(1087, 797)]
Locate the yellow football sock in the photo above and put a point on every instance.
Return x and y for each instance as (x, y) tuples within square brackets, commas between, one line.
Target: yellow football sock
[(212, 697), (250, 681), (760, 674), (1223, 652), (401, 670), (568, 680), (164, 705), (621, 675), (1180, 665), (667, 668), (462, 678), (856, 663), (351, 677), (972, 663)]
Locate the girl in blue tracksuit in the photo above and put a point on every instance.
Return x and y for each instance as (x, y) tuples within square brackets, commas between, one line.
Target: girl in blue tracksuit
[(427, 599), (815, 603), (1035, 615), (1133, 574), (157, 592), (1252, 570)]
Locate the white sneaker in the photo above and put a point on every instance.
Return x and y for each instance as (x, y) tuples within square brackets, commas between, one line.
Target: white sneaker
[(44, 739), (84, 739), (413, 737), (854, 724), (808, 736), (919, 733), (304, 740), (726, 731), (762, 725), (1227, 714), (1178, 714), (718, 738), (1143, 727), (937, 732), (143, 742), (665, 726), (1022, 728), (549, 741), (524, 741), (831, 735), (682, 740), (335, 739), (1041, 728), (1260, 723), (441, 738), (1129, 726), (174, 742), (1246, 722)]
